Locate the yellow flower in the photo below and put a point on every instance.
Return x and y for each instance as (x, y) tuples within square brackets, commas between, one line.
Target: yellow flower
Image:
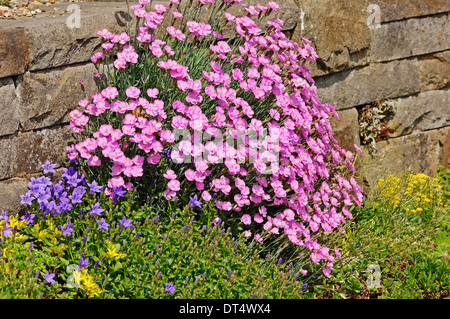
[(88, 284), (112, 251)]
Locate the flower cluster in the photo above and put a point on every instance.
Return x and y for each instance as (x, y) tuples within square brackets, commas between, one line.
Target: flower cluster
[(65, 195), (415, 192), (245, 111)]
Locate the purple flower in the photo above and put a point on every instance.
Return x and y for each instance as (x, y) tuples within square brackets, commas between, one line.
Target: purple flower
[(102, 224), (194, 202), (77, 195), (6, 230), (118, 192), (94, 187), (4, 215), (48, 167), (67, 229), (27, 199), (96, 209), (169, 288), (124, 222), (28, 217), (84, 262), (48, 277)]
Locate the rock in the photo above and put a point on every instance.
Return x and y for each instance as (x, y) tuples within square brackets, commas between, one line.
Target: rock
[(10, 191), (421, 152), (346, 129), (422, 112), (434, 71), (34, 5), (24, 153), (412, 37), (54, 42), (13, 52), (361, 86), (46, 97), (338, 31), (402, 9), (9, 120)]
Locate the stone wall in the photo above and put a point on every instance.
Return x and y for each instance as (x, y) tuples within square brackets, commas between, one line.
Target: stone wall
[(376, 50), (405, 59)]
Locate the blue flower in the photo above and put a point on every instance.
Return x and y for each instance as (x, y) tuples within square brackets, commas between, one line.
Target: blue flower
[(28, 218), (194, 202), (84, 262), (169, 288), (27, 199), (48, 167), (124, 222), (102, 224), (48, 277), (96, 209), (67, 229), (6, 231), (118, 192), (94, 187)]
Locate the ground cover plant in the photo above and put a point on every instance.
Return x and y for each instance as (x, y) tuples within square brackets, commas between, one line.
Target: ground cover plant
[(205, 167)]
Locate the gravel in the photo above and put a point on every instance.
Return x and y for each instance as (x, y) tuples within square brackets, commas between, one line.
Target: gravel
[(10, 9)]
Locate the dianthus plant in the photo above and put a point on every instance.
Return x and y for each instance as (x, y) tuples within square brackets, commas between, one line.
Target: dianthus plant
[(209, 103)]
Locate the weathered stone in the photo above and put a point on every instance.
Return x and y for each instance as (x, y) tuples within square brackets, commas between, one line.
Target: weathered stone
[(444, 140), (435, 71), (9, 119), (421, 152), (338, 31), (346, 129), (24, 153), (10, 191), (378, 81), (412, 37), (56, 40), (46, 97), (13, 52), (402, 9), (422, 112)]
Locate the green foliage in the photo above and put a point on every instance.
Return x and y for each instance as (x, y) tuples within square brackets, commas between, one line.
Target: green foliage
[(398, 233), (194, 254)]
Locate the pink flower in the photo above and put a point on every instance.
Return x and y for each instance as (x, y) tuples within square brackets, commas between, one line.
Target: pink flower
[(258, 238), (153, 93), (357, 148), (154, 158), (116, 182), (206, 196), (174, 185), (258, 218), (120, 64), (247, 233), (199, 29), (110, 92), (273, 5), (177, 15), (161, 8), (246, 219), (133, 92)]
